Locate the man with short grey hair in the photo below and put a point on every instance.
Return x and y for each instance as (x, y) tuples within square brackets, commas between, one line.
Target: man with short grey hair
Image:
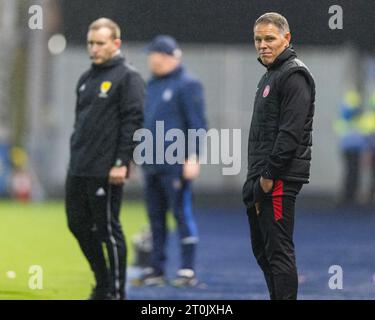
[(279, 153), (276, 19)]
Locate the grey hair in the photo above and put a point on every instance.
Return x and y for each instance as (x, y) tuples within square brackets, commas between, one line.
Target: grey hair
[(276, 19)]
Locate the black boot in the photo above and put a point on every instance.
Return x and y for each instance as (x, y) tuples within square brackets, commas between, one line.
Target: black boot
[(100, 293)]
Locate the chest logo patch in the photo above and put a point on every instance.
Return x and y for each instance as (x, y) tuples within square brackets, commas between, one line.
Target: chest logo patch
[(167, 95), (104, 88), (266, 91), (82, 88)]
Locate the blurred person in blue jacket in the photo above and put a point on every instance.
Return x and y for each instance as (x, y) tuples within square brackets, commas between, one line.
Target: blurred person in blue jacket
[(174, 101), (352, 144)]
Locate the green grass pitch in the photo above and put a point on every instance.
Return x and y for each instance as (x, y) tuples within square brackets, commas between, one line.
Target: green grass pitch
[(37, 234)]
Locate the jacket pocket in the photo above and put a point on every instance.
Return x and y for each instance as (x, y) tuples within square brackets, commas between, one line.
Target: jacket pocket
[(247, 193)]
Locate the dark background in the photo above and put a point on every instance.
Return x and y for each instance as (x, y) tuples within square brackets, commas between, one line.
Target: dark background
[(223, 21)]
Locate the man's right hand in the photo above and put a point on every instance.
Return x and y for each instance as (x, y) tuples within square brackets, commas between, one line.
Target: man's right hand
[(266, 184), (117, 175), (257, 208)]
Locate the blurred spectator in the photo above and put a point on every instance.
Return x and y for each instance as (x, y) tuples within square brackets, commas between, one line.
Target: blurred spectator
[(21, 179), (4, 168), (352, 143), (367, 127), (175, 97), (109, 109)]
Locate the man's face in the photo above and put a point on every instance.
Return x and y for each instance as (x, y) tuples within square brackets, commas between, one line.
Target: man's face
[(269, 42), (161, 63), (101, 45)]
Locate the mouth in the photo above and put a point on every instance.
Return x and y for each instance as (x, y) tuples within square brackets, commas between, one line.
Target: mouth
[(265, 54)]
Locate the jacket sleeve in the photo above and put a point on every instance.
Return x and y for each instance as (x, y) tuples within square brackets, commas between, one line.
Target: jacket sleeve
[(131, 116), (193, 105), (295, 95), (77, 93)]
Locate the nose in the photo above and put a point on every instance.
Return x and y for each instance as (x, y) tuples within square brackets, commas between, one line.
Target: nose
[(262, 44), (94, 48)]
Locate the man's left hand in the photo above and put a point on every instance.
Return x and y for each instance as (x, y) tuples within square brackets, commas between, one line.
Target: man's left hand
[(266, 184), (117, 175), (191, 168)]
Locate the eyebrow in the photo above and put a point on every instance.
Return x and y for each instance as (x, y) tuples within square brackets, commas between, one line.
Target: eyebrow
[(98, 42), (265, 37)]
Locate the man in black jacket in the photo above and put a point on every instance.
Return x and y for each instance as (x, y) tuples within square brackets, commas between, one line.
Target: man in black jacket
[(279, 153), (109, 110)]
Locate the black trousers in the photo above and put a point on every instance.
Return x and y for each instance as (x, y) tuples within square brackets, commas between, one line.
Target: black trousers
[(163, 191), (352, 163), (93, 208), (272, 238)]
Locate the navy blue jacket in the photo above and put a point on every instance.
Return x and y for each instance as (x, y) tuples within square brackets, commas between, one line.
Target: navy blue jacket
[(177, 99)]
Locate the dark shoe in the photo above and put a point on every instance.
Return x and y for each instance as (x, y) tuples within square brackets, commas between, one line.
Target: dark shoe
[(150, 278), (118, 298), (100, 294), (185, 278), (118, 295)]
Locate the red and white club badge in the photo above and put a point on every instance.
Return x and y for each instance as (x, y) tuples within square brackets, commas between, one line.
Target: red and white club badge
[(266, 91)]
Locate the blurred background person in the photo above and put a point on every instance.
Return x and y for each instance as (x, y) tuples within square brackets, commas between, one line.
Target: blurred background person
[(175, 100), (366, 125), (352, 143), (5, 170), (109, 110)]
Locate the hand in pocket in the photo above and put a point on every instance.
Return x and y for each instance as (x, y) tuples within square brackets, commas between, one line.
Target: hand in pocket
[(266, 184), (257, 208)]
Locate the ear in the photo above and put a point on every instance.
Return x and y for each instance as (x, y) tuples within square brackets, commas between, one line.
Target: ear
[(288, 37), (118, 43)]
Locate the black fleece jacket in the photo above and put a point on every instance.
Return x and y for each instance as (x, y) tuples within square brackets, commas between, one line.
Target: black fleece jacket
[(109, 109)]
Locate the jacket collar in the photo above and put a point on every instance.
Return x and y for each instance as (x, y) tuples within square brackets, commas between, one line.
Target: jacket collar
[(117, 59), (281, 58), (174, 72)]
